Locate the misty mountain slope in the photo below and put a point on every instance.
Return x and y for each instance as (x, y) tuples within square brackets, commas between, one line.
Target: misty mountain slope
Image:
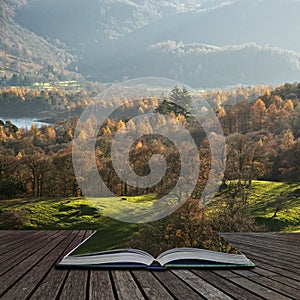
[(264, 22), (77, 22), (22, 51), (202, 43), (272, 24), (201, 65), (72, 21)]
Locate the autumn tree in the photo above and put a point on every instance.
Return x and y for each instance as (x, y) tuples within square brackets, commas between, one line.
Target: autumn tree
[(259, 115), (10, 184), (38, 165), (232, 212), (63, 178), (239, 156), (289, 163)]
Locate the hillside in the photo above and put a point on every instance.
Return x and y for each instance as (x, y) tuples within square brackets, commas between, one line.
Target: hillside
[(265, 198), (216, 22), (199, 65), (116, 40), (24, 52), (78, 213), (261, 23), (262, 138), (100, 21)]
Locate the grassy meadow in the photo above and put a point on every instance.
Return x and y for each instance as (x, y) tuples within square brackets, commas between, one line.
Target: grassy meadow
[(265, 197), (79, 213)]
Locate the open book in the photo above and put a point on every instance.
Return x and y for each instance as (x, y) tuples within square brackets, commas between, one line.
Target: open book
[(173, 258)]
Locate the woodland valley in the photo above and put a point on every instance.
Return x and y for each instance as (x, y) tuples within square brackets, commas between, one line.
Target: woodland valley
[(241, 56)]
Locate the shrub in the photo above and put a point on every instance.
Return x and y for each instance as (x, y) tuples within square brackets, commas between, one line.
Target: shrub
[(14, 219)]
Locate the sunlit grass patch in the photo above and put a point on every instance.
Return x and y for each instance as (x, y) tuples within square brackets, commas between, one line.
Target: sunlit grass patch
[(133, 208), (268, 197), (264, 198), (81, 213), (70, 213), (75, 213)]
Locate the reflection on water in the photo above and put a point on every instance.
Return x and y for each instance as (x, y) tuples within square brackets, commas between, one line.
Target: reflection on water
[(23, 122)]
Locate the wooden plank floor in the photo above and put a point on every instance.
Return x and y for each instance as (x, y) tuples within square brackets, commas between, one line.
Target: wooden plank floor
[(28, 258)]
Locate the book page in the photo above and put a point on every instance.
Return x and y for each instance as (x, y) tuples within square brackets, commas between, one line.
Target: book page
[(192, 255)]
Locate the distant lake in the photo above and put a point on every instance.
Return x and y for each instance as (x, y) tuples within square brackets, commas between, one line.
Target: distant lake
[(23, 122)]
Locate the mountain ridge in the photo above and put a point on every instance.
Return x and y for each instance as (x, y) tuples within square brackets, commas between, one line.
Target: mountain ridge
[(24, 52), (218, 35)]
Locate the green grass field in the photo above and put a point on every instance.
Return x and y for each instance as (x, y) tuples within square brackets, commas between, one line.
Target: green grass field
[(79, 213), (118, 208), (264, 197), (71, 213)]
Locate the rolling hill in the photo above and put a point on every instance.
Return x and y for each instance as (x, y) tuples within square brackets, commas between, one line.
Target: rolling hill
[(246, 41), (79, 213), (270, 25), (24, 52), (100, 21)]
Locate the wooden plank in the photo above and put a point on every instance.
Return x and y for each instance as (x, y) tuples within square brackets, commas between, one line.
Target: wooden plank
[(19, 241), (13, 238), (35, 277), (100, 287), (245, 273), (287, 281), (22, 268), (21, 252), (270, 245), (68, 287), (9, 233), (176, 286), (51, 285), (277, 283), (125, 286), (286, 235), (264, 241), (202, 287), (225, 273), (255, 283), (25, 245), (270, 259), (25, 285), (266, 256), (16, 257), (75, 286), (5, 232), (268, 242), (287, 253), (291, 235), (152, 288), (268, 265), (228, 287), (293, 238), (277, 286), (265, 273), (257, 289)]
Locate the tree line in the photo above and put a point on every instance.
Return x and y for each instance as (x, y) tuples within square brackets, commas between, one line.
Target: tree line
[(262, 143)]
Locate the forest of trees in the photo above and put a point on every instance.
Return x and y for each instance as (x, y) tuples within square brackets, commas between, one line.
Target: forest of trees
[(263, 142), (20, 102)]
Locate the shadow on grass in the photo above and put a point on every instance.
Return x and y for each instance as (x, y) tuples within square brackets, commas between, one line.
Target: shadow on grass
[(274, 224), (82, 209)]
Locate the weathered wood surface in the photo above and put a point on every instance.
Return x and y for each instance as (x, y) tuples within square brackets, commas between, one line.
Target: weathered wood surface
[(28, 258)]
